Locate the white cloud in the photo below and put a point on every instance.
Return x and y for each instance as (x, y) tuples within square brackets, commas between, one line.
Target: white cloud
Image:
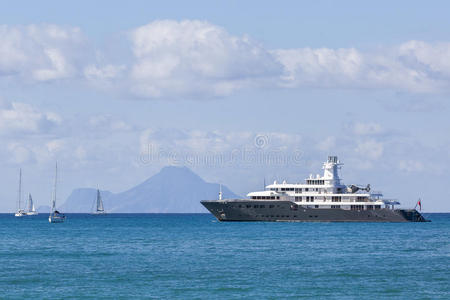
[(19, 154), (197, 59), (106, 76), (23, 118), (194, 58), (40, 52), (324, 67), (413, 66), (55, 146), (370, 149)]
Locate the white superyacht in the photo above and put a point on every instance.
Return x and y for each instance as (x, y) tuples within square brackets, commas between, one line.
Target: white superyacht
[(319, 199)]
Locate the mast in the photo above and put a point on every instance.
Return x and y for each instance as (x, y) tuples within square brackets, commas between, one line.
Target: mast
[(54, 189), (20, 189), (220, 192)]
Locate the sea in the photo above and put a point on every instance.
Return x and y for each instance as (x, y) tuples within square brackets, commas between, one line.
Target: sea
[(193, 256)]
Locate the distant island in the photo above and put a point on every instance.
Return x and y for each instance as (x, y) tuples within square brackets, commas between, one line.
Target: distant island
[(172, 190)]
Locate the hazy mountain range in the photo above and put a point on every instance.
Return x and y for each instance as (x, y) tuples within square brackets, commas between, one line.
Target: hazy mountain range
[(172, 190)]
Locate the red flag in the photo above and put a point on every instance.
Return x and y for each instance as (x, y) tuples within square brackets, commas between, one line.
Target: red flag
[(420, 204)]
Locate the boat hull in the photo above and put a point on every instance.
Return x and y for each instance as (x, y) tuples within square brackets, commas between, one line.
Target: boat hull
[(56, 219), (102, 213), (287, 211)]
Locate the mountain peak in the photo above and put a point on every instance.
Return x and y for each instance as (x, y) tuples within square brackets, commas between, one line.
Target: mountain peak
[(173, 189), (176, 169)]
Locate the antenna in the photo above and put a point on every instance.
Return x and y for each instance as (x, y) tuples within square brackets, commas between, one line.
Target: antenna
[(220, 192), (264, 187)]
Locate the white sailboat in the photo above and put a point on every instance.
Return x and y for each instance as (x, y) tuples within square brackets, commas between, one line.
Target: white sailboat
[(55, 216), (99, 205), (31, 211), (20, 212)]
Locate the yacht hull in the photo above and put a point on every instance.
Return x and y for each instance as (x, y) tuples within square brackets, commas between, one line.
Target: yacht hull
[(56, 219), (287, 211)]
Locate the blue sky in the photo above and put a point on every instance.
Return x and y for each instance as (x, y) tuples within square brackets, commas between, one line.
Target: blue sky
[(95, 85)]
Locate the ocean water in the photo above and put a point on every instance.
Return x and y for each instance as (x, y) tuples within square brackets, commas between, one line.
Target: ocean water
[(192, 256)]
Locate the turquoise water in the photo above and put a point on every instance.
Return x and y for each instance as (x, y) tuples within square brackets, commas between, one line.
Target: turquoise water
[(195, 257)]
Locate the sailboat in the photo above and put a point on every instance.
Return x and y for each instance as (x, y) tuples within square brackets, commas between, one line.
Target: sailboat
[(20, 212), (99, 205), (55, 216), (31, 211)]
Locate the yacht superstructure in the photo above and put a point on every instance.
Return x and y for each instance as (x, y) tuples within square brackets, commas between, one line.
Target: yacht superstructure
[(320, 198)]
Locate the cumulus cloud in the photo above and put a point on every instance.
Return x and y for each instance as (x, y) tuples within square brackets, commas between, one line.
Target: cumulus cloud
[(23, 118), (413, 66), (195, 58), (40, 52)]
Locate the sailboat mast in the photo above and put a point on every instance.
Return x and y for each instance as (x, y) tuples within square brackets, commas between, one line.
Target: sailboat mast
[(20, 189), (54, 188)]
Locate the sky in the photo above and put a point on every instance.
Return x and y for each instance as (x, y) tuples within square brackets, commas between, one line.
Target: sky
[(241, 92)]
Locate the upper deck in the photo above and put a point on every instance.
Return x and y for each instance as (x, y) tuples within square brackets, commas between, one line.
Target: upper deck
[(320, 190)]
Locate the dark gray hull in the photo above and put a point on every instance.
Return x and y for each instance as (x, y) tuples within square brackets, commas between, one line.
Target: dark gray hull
[(279, 211)]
